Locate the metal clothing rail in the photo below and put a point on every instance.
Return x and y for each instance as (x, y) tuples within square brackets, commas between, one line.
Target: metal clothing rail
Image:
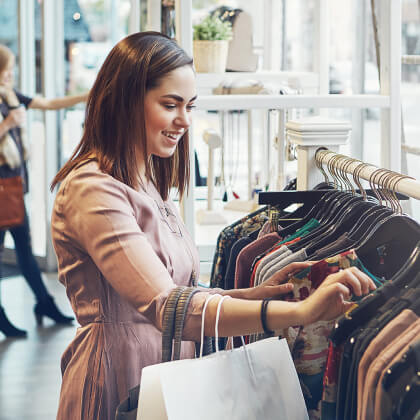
[(405, 185)]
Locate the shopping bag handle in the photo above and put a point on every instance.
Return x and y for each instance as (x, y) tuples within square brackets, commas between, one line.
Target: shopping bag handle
[(216, 325), (216, 330), (203, 314), (216, 333)]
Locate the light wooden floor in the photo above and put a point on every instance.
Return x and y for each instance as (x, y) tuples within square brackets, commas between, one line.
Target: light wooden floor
[(30, 375)]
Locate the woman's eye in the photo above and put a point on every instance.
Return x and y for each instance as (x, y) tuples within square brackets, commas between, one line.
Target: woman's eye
[(169, 106), (191, 107)]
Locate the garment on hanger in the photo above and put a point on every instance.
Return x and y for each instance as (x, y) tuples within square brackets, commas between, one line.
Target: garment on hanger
[(402, 369), (339, 231), (247, 255), (227, 237)]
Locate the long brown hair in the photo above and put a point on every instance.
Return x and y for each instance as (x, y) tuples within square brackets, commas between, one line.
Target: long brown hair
[(114, 123)]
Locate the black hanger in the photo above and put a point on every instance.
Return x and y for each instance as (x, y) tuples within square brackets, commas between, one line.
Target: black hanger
[(328, 211), (392, 240), (368, 220), (347, 219), (327, 226), (309, 214), (409, 272)]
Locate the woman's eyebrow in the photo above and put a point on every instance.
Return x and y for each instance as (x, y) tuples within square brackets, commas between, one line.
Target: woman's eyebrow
[(178, 98)]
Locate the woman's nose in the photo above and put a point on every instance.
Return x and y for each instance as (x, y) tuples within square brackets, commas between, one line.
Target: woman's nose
[(183, 120)]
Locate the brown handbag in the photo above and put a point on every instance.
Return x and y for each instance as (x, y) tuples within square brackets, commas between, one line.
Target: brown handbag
[(12, 208)]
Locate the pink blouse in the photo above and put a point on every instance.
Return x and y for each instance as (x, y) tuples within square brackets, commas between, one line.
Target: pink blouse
[(120, 252)]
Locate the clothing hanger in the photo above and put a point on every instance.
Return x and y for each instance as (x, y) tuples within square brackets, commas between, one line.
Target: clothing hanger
[(345, 210), (395, 237), (320, 208), (330, 205), (368, 220), (368, 224), (344, 222)]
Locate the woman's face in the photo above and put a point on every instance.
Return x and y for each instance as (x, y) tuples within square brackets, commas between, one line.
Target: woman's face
[(7, 75), (167, 110)]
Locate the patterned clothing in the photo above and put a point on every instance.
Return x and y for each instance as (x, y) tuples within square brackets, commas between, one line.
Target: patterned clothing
[(5, 170), (309, 344), (227, 237)]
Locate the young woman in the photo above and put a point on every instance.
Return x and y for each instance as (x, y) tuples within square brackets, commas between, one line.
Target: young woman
[(121, 245), (13, 154)]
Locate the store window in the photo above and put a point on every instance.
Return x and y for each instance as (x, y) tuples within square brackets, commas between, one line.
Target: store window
[(410, 88), (91, 29)]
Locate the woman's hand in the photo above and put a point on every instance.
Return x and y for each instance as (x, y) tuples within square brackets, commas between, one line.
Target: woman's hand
[(331, 298), (276, 285)]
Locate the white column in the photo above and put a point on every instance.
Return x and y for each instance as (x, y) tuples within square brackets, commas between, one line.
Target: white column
[(390, 71), (183, 24), (321, 45), (52, 52), (250, 155), (268, 6), (281, 144), (154, 12), (27, 47), (134, 17), (359, 48), (272, 35)]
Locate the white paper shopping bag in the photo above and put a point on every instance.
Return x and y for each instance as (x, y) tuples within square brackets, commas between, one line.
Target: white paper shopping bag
[(236, 386), (257, 381)]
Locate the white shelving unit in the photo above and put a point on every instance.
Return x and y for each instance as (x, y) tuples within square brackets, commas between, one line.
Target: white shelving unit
[(305, 81), (388, 101)]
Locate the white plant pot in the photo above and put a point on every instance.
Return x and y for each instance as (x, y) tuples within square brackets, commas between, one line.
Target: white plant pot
[(210, 56)]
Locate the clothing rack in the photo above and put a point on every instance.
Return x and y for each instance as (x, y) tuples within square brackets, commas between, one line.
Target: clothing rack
[(403, 184), (309, 174)]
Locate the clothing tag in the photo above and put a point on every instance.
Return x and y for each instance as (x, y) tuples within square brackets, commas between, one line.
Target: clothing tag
[(382, 254)]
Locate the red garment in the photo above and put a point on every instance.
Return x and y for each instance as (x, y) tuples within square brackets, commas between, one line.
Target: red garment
[(248, 255)]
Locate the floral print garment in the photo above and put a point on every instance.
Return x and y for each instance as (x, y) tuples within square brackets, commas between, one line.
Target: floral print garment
[(309, 344)]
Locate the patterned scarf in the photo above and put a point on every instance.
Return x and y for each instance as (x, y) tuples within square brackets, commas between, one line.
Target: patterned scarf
[(9, 152)]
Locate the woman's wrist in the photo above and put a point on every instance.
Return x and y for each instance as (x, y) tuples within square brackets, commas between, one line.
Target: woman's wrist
[(280, 314)]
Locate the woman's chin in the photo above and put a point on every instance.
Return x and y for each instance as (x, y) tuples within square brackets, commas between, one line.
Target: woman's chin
[(165, 153)]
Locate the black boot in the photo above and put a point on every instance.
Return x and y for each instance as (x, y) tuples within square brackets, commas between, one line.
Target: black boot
[(7, 328), (48, 308)]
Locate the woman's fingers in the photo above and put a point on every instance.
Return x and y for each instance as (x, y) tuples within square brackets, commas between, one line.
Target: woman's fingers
[(275, 291), (282, 275), (332, 298), (359, 283), (282, 289)]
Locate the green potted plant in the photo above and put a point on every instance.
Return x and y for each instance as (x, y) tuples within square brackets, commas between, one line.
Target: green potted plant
[(210, 44)]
